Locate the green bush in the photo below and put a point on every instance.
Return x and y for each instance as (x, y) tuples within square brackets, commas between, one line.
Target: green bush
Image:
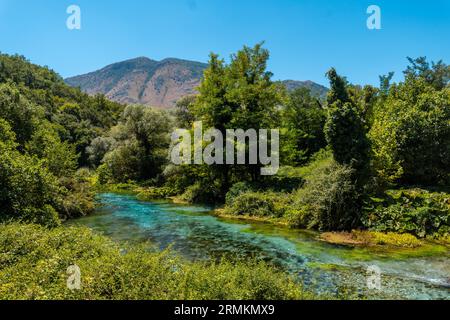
[(28, 191), (236, 190), (259, 204), (34, 262), (411, 134), (414, 211), (154, 193), (329, 199), (201, 193)]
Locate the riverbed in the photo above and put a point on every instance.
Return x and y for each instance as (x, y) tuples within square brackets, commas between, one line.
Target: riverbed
[(195, 234)]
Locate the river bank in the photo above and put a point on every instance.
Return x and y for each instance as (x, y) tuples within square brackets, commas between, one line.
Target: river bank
[(196, 234), (389, 241)]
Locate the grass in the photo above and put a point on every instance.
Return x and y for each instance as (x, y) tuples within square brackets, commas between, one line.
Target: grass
[(372, 238), (34, 262)]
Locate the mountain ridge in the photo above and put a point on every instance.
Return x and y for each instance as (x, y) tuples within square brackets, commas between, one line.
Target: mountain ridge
[(142, 80)]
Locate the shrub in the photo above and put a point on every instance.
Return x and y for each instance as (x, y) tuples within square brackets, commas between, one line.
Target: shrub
[(259, 204), (28, 191), (154, 193), (329, 200), (201, 193), (34, 262), (395, 239), (367, 238), (414, 211), (236, 190), (411, 134)]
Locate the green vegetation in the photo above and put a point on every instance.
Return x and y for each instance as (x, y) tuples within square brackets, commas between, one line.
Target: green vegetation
[(416, 211), (343, 157), (366, 158), (372, 238), (34, 262), (45, 127)]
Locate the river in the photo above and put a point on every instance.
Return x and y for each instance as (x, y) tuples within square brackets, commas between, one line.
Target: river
[(194, 233)]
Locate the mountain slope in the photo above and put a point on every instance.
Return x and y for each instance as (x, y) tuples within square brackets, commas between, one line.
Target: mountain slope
[(143, 81), (155, 83), (316, 89)]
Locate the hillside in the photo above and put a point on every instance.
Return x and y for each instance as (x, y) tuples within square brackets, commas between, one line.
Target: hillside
[(316, 89), (155, 83), (143, 81)]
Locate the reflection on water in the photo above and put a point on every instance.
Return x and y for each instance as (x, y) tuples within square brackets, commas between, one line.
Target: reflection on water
[(321, 267)]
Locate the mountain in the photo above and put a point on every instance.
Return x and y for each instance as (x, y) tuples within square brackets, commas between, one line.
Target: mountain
[(316, 89), (155, 83), (143, 81)]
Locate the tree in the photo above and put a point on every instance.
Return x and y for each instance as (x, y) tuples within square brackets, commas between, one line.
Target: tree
[(184, 116), (98, 148), (303, 121), (59, 157), (240, 95), (28, 191), (18, 111), (138, 145), (437, 75), (411, 131), (345, 128)]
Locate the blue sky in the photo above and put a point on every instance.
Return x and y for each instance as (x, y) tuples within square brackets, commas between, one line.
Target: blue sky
[(305, 37)]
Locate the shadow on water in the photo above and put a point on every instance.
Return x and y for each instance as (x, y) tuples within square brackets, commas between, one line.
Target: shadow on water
[(325, 268)]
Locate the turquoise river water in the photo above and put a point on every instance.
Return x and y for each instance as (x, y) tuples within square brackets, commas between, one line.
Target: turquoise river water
[(195, 234)]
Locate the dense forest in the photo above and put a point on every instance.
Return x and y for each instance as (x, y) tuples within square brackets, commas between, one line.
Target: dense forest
[(363, 158)]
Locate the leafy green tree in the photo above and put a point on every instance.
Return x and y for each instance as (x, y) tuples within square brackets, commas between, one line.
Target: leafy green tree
[(137, 146), (345, 129), (303, 121), (411, 131), (18, 111), (7, 136), (98, 148), (28, 191), (184, 116), (437, 75), (239, 95), (59, 157)]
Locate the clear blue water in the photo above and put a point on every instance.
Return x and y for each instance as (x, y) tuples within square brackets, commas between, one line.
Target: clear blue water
[(322, 267)]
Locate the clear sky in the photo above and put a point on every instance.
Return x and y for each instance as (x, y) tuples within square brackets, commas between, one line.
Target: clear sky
[(305, 37)]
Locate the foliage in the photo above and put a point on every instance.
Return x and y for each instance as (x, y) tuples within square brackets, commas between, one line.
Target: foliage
[(328, 200), (201, 192), (416, 211), (18, 111), (371, 238), (136, 149), (411, 134), (236, 190), (155, 193), (259, 204), (59, 157), (238, 95), (34, 262), (28, 192), (303, 121), (184, 117), (345, 130)]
